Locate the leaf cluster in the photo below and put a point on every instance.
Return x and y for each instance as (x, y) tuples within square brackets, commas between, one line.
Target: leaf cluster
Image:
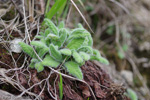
[(59, 45)]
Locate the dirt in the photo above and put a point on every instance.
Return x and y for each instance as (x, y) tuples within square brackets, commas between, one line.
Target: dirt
[(103, 87)]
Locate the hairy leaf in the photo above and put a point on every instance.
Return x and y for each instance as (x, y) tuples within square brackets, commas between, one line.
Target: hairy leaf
[(47, 31), (77, 36), (74, 69), (38, 44), (62, 39), (86, 41), (80, 25), (103, 60), (90, 42), (77, 31), (33, 61), (43, 51), (55, 53), (66, 52), (27, 49), (77, 57), (85, 56), (86, 49), (38, 37), (96, 53), (31, 65), (39, 67), (53, 37), (51, 25), (49, 61), (41, 33), (61, 25), (100, 59), (75, 43)]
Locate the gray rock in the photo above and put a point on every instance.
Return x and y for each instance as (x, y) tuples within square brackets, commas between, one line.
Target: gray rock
[(128, 75), (14, 46)]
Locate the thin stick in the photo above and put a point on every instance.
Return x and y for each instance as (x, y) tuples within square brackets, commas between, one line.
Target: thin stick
[(82, 15)]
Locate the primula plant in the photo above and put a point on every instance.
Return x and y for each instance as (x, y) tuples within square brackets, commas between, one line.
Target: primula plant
[(57, 46)]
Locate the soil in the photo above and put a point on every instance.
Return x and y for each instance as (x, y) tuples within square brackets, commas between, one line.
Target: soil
[(103, 87)]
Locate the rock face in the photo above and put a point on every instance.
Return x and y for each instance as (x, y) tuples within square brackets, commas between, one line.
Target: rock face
[(7, 96)]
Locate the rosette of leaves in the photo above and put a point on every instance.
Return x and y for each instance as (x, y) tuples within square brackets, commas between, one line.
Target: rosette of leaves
[(61, 46)]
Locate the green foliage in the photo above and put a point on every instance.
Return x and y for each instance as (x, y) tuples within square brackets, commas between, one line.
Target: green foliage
[(125, 47), (66, 52), (74, 69), (61, 25), (51, 25), (121, 54), (58, 45), (131, 94), (57, 8), (77, 57), (38, 44), (27, 49), (85, 56), (49, 61), (75, 44), (60, 88), (55, 53), (39, 67)]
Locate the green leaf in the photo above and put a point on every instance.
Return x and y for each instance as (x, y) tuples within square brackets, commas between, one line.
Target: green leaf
[(77, 31), (131, 94), (27, 49), (75, 43), (50, 62), (41, 33), (38, 44), (66, 52), (33, 61), (86, 49), (61, 25), (31, 65), (77, 57), (53, 37), (96, 53), (90, 42), (78, 36), (39, 67), (103, 60), (62, 39), (80, 25), (74, 69), (43, 51), (56, 8), (121, 54), (125, 47), (86, 41), (55, 53), (85, 56), (51, 25), (100, 59), (47, 31), (38, 37), (61, 87)]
